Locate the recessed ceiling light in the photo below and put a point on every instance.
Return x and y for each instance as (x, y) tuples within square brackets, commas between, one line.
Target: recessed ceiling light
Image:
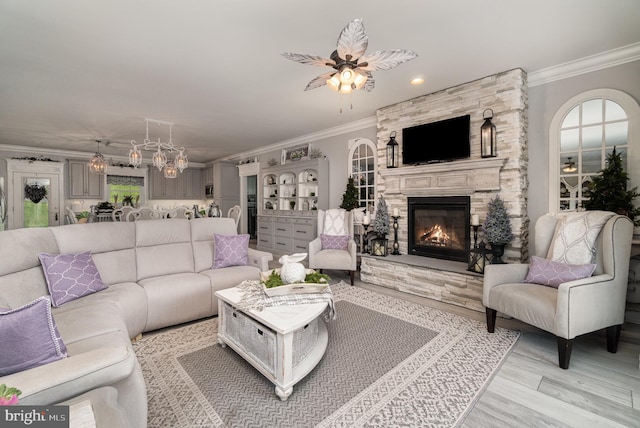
[(417, 81)]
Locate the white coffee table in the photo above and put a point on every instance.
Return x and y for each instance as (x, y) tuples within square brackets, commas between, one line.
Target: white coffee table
[(284, 343)]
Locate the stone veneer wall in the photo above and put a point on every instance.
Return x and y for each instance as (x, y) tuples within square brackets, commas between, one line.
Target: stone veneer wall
[(506, 94)]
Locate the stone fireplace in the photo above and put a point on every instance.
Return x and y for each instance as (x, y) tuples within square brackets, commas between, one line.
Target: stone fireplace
[(476, 179), (438, 227)]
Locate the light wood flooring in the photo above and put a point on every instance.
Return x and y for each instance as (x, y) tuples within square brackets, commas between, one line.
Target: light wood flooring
[(599, 389)]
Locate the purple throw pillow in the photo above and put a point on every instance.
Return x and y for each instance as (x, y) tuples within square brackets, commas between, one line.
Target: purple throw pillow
[(230, 250), (548, 272), (29, 337), (334, 242), (70, 276)]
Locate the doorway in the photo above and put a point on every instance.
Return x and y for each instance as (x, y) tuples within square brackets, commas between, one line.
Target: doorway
[(252, 207), (36, 194), (248, 173)]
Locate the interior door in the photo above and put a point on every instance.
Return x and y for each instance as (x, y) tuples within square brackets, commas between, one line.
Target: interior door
[(36, 200)]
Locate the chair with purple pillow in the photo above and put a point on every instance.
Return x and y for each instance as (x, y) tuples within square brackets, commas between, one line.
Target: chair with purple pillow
[(576, 282), (334, 248)]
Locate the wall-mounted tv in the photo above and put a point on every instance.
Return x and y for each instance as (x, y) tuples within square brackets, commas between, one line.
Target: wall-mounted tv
[(440, 141)]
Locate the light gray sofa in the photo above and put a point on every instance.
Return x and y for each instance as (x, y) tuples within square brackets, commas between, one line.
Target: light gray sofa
[(159, 273)]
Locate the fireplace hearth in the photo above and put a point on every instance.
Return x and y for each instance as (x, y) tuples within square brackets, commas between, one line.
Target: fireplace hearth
[(439, 227)]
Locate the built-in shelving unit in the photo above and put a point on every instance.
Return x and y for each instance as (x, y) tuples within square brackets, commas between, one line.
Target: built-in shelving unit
[(298, 186), (291, 194)]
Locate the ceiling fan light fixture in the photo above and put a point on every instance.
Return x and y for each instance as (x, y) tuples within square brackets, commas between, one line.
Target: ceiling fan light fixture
[(345, 88), (361, 78), (334, 82), (569, 166), (353, 65), (347, 75)]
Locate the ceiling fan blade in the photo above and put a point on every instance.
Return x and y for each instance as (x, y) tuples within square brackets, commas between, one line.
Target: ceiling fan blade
[(319, 81), (386, 60), (308, 59), (352, 41), (370, 83)]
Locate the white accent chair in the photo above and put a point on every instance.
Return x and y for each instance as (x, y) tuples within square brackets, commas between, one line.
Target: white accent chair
[(334, 259), (120, 214), (576, 307), (235, 212), (143, 213), (70, 216), (179, 212)]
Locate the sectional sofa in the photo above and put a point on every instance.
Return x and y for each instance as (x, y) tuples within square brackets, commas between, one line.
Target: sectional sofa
[(159, 273)]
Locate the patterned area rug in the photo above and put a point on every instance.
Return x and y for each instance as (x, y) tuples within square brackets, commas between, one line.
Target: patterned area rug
[(388, 363)]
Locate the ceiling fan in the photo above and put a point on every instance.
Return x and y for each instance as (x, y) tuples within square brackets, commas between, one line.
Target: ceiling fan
[(569, 165), (351, 66)]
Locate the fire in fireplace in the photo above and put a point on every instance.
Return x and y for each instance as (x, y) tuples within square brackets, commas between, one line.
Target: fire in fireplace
[(439, 227)]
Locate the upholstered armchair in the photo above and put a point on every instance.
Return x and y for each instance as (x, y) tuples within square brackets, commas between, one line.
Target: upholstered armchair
[(574, 306), (334, 248)]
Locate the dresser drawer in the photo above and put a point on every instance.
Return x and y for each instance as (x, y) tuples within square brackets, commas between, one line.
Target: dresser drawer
[(265, 226), (282, 229), (265, 240), (303, 231), (282, 244), (300, 246)]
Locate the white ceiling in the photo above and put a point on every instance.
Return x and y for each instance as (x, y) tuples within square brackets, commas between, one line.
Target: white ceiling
[(73, 71)]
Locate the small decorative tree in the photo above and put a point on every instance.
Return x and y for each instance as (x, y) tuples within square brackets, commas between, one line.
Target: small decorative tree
[(609, 190), (350, 196), (497, 227), (381, 222)]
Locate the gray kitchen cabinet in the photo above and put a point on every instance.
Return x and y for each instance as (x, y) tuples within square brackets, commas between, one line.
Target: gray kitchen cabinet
[(226, 186), (187, 185), (83, 184)]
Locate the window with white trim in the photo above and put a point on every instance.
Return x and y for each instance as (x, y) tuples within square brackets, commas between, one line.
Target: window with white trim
[(362, 157), (583, 133)]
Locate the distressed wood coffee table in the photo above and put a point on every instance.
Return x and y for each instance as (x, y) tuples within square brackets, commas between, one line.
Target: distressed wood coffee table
[(284, 343)]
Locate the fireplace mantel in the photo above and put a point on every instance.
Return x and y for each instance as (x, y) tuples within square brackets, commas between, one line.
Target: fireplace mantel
[(459, 178)]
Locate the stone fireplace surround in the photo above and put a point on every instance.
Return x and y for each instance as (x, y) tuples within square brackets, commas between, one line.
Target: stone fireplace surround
[(479, 178)]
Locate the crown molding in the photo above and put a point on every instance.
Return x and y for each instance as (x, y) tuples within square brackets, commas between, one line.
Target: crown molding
[(308, 138), (585, 65)]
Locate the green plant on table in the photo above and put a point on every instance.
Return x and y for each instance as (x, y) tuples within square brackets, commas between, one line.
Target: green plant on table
[(275, 280), (83, 214)]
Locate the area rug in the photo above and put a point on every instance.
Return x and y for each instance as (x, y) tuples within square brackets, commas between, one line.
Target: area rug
[(389, 362)]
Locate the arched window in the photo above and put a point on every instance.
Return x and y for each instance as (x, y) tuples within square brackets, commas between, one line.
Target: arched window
[(362, 155), (583, 133)]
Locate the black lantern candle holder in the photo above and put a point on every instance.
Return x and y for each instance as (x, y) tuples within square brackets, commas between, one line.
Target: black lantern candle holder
[(480, 257), (392, 151), (488, 141), (379, 247)]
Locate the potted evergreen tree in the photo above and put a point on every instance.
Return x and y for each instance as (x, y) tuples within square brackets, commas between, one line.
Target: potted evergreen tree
[(381, 228), (350, 196), (497, 228), (609, 190)]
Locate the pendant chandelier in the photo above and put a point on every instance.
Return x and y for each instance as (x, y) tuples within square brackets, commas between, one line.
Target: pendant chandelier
[(159, 158), (97, 164)]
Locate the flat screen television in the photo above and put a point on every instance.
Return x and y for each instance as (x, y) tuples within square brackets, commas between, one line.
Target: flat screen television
[(440, 141)]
